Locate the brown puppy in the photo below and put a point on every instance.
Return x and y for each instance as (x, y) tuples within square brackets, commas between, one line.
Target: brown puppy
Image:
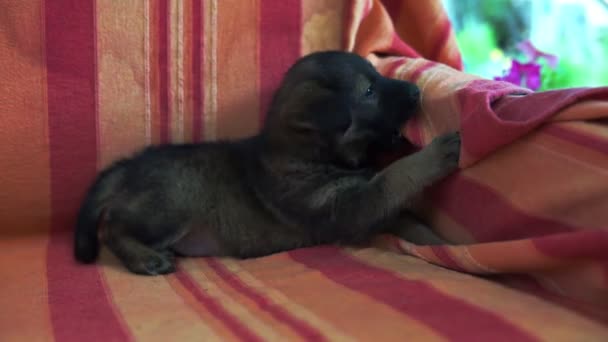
[(306, 179)]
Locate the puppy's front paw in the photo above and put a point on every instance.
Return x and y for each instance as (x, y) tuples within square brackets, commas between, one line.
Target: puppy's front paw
[(447, 151), (152, 264)]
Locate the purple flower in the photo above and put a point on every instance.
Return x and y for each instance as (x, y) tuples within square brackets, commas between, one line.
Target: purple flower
[(521, 74), (528, 74), (534, 54)]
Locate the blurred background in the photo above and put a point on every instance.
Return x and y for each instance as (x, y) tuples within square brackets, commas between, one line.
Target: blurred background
[(575, 31)]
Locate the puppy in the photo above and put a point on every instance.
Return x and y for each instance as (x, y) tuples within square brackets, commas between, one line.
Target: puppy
[(305, 179)]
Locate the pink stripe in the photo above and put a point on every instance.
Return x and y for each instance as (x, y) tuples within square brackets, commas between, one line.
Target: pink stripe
[(447, 259), (444, 34), (414, 132), (215, 308), (163, 69), (279, 46), (399, 48), (452, 318), (571, 135), (391, 71), (197, 73), (490, 119), (307, 332), (487, 215), (458, 64), (418, 72), (77, 299)]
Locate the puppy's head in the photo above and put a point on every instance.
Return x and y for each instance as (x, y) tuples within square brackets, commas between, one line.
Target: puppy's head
[(337, 107)]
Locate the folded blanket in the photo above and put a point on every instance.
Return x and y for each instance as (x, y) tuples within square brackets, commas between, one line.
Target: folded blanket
[(532, 195)]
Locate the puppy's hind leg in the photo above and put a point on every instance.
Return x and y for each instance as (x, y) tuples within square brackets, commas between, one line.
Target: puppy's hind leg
[(136, 256)]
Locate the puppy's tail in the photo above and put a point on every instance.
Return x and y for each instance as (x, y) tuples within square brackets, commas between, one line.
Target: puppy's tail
[(86, 240)]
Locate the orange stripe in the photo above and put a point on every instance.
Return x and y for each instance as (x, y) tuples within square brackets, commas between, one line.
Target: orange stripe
[(198, 68), (218, 301), (348, 311), (149, 306), (24, 310), (24, 151), (237, 64), (187, 71), (210, 70), (590, 135), (176, 70), (121, 73), (523, 311), (275, 297), (321, 25), (422, 26), (265, 305), (557, 160), (585, 110), (190, 301), (153, 72), (375, 32), (250, 305)]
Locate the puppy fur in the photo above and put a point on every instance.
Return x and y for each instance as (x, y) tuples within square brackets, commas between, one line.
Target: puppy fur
[(306, 179)]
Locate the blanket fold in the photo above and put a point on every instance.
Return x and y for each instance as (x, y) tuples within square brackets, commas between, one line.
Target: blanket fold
[(532, 193)]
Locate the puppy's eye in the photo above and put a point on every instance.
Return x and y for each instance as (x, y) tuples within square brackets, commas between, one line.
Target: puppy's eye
[(370, 91)]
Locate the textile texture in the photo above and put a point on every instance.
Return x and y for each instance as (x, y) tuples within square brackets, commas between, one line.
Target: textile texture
[(83, 83)]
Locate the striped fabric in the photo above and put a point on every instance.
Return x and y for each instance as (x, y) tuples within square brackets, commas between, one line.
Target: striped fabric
[(532, 196), (85, 82)]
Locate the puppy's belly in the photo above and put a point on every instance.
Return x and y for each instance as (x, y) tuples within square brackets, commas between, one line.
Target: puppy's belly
[(198, 243)]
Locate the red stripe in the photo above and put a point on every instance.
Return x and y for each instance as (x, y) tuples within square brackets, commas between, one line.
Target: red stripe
[(300, 327), (391, 71), (450, 317), (197, 73), (393, 8), (78, 302), (280, 33), (215, 308), (586, 244), (446, 258), (418, 72), (444, 34), (571, 135), (163, 69), (487, 215)]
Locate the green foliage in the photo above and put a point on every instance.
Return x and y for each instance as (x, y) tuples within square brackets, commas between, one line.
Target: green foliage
[(567, 74), (477, 41)]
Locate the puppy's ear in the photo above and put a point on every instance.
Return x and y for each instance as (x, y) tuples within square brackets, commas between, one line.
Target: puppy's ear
[(295, 106)]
